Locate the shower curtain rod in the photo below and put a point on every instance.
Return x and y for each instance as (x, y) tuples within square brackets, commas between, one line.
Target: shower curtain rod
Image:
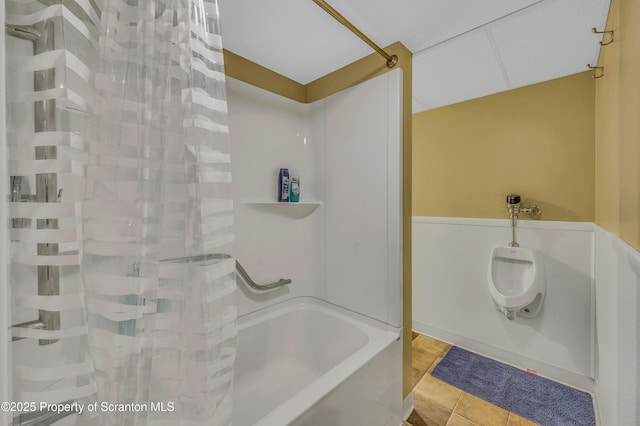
[(392, 60)]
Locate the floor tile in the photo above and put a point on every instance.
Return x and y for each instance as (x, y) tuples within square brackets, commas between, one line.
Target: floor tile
[(439, 404), (434, 401), (516, 420), (415, 419), (416, 375), (456, 420), (429, 344), (433, 365), (480, 411), (421, 361)]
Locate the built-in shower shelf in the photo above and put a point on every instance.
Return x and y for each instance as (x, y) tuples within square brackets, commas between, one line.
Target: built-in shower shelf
[(297, 203), (296, 210)]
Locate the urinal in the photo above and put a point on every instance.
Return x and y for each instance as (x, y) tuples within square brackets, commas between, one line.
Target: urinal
[(517, 281)]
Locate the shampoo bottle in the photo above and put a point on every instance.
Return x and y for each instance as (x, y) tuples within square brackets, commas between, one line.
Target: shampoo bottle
[(294, 185), (283, 185)]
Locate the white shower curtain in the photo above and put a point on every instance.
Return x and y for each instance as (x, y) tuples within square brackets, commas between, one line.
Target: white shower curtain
[(144, 95)]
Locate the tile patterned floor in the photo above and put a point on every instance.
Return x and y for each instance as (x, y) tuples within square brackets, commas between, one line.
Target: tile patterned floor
[(437, 403)]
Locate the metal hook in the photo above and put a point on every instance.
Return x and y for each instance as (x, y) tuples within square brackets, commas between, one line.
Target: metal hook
[(593, 30), (595, 74)]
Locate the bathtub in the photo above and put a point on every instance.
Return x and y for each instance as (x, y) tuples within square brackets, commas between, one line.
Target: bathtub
[(307, 362)]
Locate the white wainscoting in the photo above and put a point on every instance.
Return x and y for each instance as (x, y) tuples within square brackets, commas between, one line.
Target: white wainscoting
[(617, 324), (451, 300), (589, 326)]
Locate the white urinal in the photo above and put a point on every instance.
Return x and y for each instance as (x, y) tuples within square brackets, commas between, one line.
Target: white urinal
[(517, 281)]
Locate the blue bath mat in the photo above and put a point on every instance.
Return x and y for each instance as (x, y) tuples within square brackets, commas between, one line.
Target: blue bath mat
[(535, 398)]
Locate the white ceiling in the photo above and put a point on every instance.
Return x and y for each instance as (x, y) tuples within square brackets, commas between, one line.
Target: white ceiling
[(462, 49)]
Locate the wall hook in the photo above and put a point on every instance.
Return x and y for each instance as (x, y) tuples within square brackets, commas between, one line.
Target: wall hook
[(593, 30), (595, 74)]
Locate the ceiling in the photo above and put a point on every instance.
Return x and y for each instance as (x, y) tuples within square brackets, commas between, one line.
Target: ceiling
[(462, 49)]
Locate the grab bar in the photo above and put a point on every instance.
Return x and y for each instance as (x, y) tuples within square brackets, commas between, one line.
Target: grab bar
[(23, 32), (260, 287), (33, 325), (243, 273)]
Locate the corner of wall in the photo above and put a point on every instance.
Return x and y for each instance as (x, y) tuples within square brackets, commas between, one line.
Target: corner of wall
[(618, 135), (617, 388), (358, 72), (245, 70), (362, 70)]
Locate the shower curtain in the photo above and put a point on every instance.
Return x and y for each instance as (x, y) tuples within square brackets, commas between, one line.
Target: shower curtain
[(147, 330)]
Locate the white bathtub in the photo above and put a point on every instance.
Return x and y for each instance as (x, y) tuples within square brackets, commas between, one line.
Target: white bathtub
[(307, 362)]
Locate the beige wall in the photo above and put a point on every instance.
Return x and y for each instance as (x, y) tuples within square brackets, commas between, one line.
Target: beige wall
[(244, 70), (618, 126), (537, 141), (362, 70)]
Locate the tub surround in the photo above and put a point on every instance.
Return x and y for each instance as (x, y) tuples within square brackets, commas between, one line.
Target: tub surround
[(350, 244), (360, 71), (345, 249), (363, 199), (268, 132)]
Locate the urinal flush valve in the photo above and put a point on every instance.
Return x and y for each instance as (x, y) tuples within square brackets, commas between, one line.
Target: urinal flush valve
[(513, 200), (513, 205)]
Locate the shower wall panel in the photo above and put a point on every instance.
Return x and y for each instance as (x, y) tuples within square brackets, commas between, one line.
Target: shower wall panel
[(274, 241), (346, 250), (363, 198)]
